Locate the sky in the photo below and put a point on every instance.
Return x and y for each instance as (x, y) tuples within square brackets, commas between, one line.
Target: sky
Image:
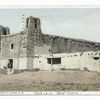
[(26, 2), (82, 23)]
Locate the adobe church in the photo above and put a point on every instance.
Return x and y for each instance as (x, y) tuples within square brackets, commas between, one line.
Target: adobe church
[(20, 48)]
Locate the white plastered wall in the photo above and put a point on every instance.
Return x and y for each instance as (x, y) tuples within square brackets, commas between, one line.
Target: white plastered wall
[(70, 61), (40, 62), (90, 63), (3, 63), (18, 63), (22, 63)]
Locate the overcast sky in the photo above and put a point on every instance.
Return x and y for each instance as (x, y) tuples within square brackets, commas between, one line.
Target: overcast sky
[(83, 23)]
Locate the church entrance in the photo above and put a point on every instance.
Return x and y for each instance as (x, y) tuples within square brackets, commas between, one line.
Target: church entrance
[(11, 63)]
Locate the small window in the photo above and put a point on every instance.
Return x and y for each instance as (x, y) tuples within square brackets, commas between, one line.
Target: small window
[(39, 61), (54, 60), (96, 58), (49, 50), (36, 57), (12, 46)]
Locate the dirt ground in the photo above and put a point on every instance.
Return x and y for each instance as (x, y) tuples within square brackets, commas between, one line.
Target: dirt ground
[(67, 80)]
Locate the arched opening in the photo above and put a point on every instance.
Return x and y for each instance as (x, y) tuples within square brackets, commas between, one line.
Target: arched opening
[(35, 23), (27, 21)]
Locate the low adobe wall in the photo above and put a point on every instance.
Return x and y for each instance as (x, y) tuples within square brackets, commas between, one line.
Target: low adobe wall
[(86, 60)]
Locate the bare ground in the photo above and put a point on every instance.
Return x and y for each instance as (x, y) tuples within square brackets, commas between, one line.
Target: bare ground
[(67, 80)]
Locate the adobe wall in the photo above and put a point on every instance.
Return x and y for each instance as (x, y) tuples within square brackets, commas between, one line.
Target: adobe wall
[(34, 37), (69, 45), (88, 60), (6, 42), (18, 53), (44, 49), (82, 61)]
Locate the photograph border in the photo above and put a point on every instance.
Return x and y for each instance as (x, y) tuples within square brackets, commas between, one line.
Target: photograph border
[(69, 93)]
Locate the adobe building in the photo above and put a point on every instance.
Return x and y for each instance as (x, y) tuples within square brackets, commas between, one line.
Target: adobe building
[(20, 48), (89, 61)]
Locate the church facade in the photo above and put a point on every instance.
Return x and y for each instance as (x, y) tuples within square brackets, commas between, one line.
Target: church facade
[(20, 49)]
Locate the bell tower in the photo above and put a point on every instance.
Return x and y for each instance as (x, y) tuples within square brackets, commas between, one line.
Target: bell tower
[(32, 37), (34, 34), (33, 28)]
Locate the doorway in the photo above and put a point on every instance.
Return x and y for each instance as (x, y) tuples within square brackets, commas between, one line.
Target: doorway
[(11, 62)]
